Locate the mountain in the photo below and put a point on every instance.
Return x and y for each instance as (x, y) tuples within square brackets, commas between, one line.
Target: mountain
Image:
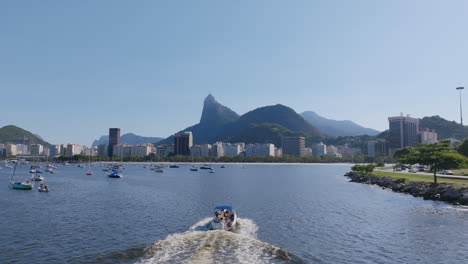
[(444, 128), (274, 114), (264, 124), (128, 138), (214, 117), (335, 128), (14, 134)]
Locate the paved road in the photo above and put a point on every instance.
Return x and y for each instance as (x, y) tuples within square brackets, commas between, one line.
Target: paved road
[(430, 174)]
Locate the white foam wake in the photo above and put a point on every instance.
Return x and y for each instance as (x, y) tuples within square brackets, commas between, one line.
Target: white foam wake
[(198, 245)]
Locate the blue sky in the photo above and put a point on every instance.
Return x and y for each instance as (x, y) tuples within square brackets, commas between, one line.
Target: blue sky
[(69, 70)]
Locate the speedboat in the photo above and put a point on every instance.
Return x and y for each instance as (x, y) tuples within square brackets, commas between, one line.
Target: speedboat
[(174, 166), (89, 173), (211, 170), (225, 218), (159, 169), (43, 188), (115, 174), (193, 168), (222, 166)]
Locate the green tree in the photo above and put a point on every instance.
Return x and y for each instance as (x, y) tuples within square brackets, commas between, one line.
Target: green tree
[(363, 168), (463, 148), (438, 156)]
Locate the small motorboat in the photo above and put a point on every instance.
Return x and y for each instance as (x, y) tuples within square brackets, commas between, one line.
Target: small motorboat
[(206, 167), (222, 166), (225, 218), (211, 170), (174, 166), (159, 169), (193, 168), (89, 173), (106, 169), (37, 177), (43, 188), (115, 174), (23, 185)]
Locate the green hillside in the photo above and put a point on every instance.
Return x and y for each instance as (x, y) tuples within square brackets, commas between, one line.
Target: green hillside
[(444, 128), (11, 134)]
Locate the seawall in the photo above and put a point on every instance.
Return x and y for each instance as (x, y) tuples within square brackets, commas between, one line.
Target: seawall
[(428, 191)]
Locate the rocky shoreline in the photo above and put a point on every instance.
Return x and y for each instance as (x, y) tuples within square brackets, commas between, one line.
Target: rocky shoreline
[(428, 191)]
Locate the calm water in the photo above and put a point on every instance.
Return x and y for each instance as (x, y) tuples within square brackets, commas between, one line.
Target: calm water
[(288, 214)]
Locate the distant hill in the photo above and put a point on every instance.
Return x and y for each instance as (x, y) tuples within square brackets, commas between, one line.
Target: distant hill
[(14, 134), (335, 128), (264, 124), (128, 138), (444, 128)]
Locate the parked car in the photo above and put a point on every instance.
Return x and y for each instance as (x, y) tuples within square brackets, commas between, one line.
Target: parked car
[(413, 170), (421, 168), (446, 172)]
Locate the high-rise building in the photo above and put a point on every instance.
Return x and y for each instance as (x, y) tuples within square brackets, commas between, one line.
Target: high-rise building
[(403, 132), (182, 143), (54, 150), (294, 146), (114, 139)]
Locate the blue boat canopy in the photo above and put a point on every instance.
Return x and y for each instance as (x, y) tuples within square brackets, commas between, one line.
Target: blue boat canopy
[(224, 207)]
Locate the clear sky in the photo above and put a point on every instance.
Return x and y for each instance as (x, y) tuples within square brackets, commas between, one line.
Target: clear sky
[(69, 70)]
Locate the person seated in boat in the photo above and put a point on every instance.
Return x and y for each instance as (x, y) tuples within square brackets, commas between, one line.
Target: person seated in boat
[(226, 215)]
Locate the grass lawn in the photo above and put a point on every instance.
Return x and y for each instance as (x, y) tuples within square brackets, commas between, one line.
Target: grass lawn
[(421, 178)]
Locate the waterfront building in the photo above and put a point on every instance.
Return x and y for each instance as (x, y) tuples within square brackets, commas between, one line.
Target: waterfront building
[(319, 149), (142, 150), (10, 149), (217, 149), (278, 152), (74, 149), (293, 146), (54, 150), (347, 151), (331, 150), (103, 150), (164, 150), (36, 149), (63, 150), (182, 143), (3, 151), (308, 152), (114, 139), (122, 150), (259, 150), (403, 132), (232, 150), (427, 136), (22, 149)]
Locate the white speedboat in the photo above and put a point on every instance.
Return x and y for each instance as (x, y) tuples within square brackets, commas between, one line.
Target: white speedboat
[(37, 177), (225, 218)]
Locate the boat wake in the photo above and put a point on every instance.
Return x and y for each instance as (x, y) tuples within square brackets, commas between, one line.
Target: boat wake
[(198, 245)]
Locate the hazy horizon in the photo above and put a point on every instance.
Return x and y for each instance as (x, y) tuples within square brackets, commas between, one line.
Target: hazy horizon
[(71, 70)]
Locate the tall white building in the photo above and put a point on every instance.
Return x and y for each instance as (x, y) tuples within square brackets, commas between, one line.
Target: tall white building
[(217, 149), (74, 149), (259, 150), (319, 149)]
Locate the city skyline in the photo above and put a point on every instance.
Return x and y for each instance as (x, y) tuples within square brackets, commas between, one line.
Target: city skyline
[(74, 70)]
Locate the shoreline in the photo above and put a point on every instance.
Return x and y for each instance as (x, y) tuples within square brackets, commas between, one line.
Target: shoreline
[(428, 191), (225, 163)]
